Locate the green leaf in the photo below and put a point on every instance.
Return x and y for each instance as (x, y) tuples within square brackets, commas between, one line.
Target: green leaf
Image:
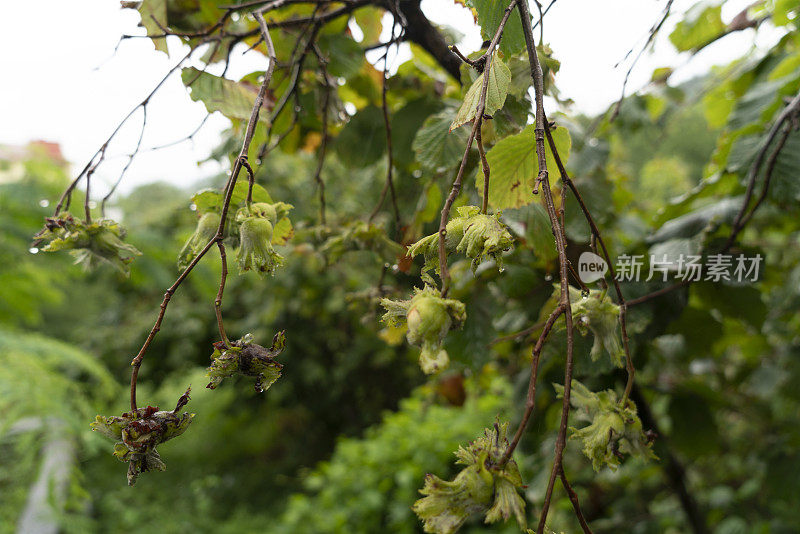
[(718, 103), (539, 234), (784, 183), (702, 23), (496, 91), (695, 222), (211, 200), (344, 55), (514, 167), (735, 301), (282, 232), (489, 14), (232, 99), (785, 11), (436, 146), (362, 141), (369, 19), (155, 9), (698, 340), (406, 122), (759, 103)]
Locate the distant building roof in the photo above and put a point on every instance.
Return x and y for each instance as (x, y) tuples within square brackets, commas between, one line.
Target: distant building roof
[(18, 153)]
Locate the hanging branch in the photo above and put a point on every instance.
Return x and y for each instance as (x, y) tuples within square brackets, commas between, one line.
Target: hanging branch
[(323, 146), (560, 241), (388, 185), (237, 167), (623, 306), (296, 61), (486, 59), (530, 400)]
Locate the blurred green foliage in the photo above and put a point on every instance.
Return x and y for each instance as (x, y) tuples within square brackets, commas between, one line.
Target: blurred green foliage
[(342, 441)]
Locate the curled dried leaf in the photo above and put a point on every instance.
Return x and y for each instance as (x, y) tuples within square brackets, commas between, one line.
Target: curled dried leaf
[(138, 432), (249, 359)]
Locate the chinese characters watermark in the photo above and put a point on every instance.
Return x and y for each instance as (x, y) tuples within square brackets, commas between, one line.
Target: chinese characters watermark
[(690, 268), (663, 267)]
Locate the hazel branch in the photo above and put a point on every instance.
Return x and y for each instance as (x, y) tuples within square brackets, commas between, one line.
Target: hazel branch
[(476, 124), (237, 167), (560, 241)]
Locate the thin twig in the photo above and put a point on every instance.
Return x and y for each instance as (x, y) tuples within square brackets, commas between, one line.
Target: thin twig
[(218, 301), (652, 35), (516, 335), (99, 156), (530, 400), (790, 111), (127, 164), (476, 124), (182, 139), (658, 293), (251, 180), (486, 172), (576, 505), (388, 185), (323, 146)]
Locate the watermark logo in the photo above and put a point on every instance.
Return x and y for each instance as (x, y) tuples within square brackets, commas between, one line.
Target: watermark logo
[(687, 268), (591, 267)]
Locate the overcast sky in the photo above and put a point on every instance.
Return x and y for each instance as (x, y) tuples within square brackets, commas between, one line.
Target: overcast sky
[(62, 80)]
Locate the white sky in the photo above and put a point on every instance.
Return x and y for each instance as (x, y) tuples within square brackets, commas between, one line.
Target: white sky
[(62, 81)]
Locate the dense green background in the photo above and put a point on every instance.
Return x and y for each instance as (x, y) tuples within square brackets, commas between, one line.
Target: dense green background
[(342, 441)]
